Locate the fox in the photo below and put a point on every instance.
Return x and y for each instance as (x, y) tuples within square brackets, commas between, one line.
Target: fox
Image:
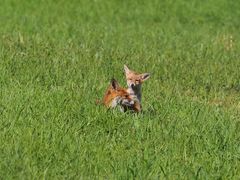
[(134, 83), (117, 96)]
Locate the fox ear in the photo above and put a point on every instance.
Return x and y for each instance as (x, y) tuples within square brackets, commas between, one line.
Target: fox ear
[(114, 84), (126, 69), (145, 76)]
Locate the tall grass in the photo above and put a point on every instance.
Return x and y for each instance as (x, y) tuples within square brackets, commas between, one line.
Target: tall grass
[(57, 58)]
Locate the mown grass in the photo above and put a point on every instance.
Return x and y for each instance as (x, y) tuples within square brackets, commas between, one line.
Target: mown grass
[(57, 58)]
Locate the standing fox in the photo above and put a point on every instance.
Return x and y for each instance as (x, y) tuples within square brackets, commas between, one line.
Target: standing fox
[(118, 96), (134, 82)]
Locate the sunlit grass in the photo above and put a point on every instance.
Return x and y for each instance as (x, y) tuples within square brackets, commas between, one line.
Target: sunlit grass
[(57, 58)]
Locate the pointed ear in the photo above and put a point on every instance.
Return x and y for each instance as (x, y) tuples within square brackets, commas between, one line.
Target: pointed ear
[(114, 84), (145, 76), (126, 69)]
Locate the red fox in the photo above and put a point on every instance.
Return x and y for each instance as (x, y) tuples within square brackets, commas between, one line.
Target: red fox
[(118, 96), (134, 82)]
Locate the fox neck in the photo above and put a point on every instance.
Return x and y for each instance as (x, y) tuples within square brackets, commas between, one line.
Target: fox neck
[(136, 91)]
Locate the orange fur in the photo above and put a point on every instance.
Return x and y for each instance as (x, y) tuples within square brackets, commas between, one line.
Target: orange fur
[(118, 96)]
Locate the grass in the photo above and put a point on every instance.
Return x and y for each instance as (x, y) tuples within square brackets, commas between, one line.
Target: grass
[(57, 58)]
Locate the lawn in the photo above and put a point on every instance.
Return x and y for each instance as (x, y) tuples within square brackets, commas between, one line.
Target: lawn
[(57, 58)]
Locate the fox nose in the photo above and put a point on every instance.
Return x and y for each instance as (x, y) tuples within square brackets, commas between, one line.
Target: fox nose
[(132, 85)]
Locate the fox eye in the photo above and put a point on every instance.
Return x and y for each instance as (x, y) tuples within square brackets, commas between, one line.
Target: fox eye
[(126, 96), (130, 79)]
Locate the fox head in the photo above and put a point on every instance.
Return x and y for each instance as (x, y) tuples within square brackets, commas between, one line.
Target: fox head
[(134, 80), (117, 95)]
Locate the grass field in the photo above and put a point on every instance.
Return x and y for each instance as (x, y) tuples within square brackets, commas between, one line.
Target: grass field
[(57, 58)]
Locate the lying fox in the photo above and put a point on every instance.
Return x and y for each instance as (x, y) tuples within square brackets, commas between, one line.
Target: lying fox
[(134, 82), (118, 96)]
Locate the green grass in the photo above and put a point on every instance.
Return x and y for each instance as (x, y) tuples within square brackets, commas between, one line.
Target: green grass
[(57, 58)]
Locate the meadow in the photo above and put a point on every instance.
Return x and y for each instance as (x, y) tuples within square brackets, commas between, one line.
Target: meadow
[(57, 58)]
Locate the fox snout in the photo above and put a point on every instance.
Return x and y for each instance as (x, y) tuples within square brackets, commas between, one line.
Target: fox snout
[(132, 84), (127, 102)]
